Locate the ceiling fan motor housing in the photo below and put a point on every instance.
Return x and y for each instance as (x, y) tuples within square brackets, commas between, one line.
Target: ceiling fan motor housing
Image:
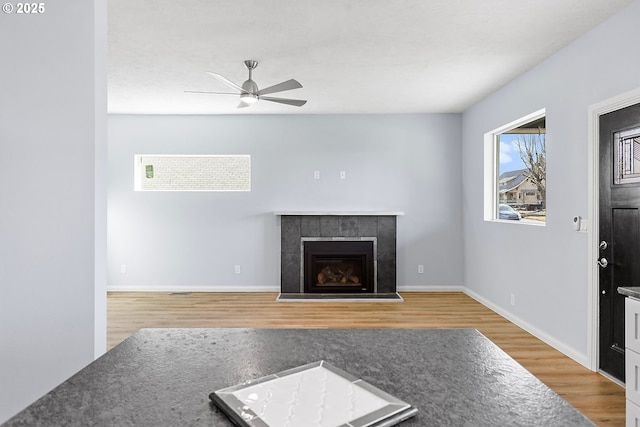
[(249, 95), (250, 86)]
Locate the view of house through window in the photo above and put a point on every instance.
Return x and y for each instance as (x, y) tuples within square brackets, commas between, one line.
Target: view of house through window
[(521, 172)]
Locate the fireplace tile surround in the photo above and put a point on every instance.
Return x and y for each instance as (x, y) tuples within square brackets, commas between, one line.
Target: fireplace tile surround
[(296, 226)]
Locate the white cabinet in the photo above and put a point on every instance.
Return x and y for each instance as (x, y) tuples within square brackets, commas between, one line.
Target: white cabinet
[(632, 360), (633, 414), (632, 324)]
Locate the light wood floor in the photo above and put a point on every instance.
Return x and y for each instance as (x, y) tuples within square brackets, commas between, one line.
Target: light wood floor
[(597, 397)]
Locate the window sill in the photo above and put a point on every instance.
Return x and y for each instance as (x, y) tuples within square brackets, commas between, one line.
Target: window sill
[(521, 222)]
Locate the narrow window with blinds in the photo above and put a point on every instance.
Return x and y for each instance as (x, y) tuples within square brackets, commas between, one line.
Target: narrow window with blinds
[(192, 172)]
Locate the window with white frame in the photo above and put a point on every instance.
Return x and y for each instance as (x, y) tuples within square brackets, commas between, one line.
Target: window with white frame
[(516, 171), (192, 172)]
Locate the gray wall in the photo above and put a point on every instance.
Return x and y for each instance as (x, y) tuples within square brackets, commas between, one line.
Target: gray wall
[(547, 267), (192, 241), (47, 148)]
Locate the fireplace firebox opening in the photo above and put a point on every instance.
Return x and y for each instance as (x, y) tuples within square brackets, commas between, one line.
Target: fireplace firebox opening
[(339, 266)]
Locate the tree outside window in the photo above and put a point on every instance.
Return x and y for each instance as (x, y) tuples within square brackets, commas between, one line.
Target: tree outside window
[(521, 172)]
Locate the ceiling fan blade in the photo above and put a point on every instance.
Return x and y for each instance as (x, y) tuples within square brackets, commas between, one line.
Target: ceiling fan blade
[(296, 102), (226, 81), (211, 93), (280, 87)]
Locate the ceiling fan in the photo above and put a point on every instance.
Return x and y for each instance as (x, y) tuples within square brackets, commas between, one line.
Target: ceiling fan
[(249, 92)]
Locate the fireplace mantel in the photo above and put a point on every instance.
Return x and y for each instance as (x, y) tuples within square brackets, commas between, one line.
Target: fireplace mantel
[(338, 213)]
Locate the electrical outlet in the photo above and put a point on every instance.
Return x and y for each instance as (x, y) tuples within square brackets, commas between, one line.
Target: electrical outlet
[(316, 174), (237, 269), (420, 269), (513, 299), (123, 269)]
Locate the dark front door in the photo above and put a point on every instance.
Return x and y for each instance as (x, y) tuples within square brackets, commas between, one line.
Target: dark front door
[(619, 228)]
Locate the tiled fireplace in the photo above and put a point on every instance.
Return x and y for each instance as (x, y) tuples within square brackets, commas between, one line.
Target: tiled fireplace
[(329, 253)]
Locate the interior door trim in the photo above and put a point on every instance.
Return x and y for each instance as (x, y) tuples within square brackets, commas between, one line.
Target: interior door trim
[(595, 111)]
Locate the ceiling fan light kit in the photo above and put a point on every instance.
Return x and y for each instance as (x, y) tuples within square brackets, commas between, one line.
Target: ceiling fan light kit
[(249, 92), (248, 98)]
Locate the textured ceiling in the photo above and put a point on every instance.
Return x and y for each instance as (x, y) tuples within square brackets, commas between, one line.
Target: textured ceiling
[(351, 56)]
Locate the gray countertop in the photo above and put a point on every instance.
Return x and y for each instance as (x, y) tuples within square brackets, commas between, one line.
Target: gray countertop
[(630, 291), (162, 377)]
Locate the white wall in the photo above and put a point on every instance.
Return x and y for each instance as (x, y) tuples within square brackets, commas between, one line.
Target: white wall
[(173, 241), (101, 177), (547, 267), (47, 148)]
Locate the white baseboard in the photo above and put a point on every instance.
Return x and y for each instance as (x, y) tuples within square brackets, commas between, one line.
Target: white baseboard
[(409, 288), (194, 289), (542, 336), (418, 288)]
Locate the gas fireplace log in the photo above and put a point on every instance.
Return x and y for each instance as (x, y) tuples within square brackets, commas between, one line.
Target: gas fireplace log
[(326, 275), (345, 275), (349, 278), (330, 277)]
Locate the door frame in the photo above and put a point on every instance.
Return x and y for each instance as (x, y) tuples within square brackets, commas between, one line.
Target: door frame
[(595, 111)]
